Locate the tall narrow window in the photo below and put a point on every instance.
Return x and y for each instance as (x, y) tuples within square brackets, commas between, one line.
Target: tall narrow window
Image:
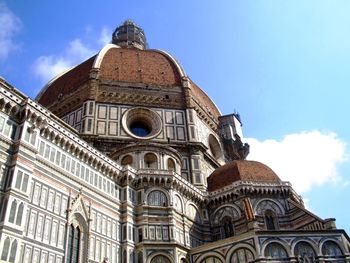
[(270, 220), (19, 180), (25, 182), (19, 214), (73, 244), (5, 249), (13, 212), (227, 227), (13, 252)]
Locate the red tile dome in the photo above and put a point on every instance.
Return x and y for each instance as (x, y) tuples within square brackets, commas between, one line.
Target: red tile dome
[(129, 67), (241, 170), (127, 72)]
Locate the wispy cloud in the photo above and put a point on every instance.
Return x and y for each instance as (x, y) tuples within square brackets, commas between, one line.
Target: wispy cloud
[(10, 25), (105, 36), (76, 51), (305, 159)]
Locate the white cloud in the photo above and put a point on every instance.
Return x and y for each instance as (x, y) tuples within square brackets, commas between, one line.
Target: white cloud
[(306, 159), (78, 51), (10, 25), (105, 36), (46, 67)]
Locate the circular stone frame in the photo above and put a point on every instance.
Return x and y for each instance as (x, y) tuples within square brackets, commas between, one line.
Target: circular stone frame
[(145, 116)]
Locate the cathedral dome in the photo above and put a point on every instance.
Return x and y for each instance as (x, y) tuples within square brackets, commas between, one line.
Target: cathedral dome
[(116, 64), (241, 170), (126, 72)]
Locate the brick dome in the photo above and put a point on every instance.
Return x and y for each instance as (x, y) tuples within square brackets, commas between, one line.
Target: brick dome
[(128, 67), (241, 170), (115, 64)]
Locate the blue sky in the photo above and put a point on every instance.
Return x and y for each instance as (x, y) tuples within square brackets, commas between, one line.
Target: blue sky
[(283, 65)]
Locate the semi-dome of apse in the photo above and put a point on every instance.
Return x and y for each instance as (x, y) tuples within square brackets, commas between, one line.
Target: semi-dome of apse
[(241, 170)]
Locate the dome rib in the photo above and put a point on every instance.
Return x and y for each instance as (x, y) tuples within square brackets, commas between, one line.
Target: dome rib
[(178, 66), (101, 54)]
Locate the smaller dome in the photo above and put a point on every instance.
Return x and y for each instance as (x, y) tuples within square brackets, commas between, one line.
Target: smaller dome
[(241, 170)]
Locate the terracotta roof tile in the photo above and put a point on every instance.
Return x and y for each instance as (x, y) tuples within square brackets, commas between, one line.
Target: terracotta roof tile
[(67, 83), (241, 170), (139, 66)]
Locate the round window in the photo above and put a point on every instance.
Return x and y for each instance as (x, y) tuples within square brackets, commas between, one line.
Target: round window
[(141, 123), (140, 128)]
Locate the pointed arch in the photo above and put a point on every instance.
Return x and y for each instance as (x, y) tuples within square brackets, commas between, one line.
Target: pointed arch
[(13, 211), (171, 164), (178, 203), (13, 251), (78, 231), (19, 214), (225, 210), (5, 249), (192, 212), (268, 204)]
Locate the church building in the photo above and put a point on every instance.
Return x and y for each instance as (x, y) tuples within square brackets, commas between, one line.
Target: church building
[(124, 159)]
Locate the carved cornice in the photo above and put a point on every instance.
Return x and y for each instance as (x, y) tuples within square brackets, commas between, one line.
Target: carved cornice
[(240, 188)]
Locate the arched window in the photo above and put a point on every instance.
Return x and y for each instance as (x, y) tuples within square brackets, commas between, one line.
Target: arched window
[(211, 260), (5, 249), (13, 212), (178, 203), (160, 259), (157, 198), (266, 204), (304, 252), (193, 213), (227, 227), (151, 161), (331, 249), (242, 255), (19, 214), (13, 252), (171, 164), (276, 251), (73, 244), (5, 255), (126, 160), (270, 220)]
